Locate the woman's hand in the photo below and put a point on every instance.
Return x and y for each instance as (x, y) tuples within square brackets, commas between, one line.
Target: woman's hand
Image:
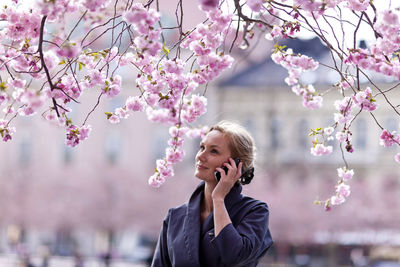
[(227, 180)]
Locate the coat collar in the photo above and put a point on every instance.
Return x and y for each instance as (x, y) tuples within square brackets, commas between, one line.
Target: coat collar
[(192, 225)]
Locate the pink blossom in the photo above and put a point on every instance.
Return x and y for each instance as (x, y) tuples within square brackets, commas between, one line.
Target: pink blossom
[(347, 83), (113, 86), (312, 102), (255, 5), (389, 17), (364, 100), (96, 77), (164, 168), (8, 110), (344, 105), (197, 132), (174, 155), (158, 115), (126, 59), (208, 4), (94, 5), (343, 190), (51, 59), (69, 50), (388, 139), (32, 101), (6, 132), (76, 134), (122, 113), (345, 174), (328, 130), (3, 97), (134, 103), (397, 157), (156, 180), (151, 99), (321, 149), (17, 83), (173, 66), (195, 109), (276, 32), (337, 200), (343, 136), (114, 119), (51, 116), (84, 132), (178, 132), (358, 5)]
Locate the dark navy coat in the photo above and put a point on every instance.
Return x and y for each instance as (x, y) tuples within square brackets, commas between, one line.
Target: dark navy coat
[(186, 242)]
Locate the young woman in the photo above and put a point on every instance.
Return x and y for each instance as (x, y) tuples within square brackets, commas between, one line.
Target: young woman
[(218, 226)]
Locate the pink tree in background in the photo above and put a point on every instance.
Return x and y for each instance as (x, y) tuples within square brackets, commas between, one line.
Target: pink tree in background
[(45, 65)]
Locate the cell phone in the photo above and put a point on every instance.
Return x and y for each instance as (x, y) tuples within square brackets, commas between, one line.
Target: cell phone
[(218, 174)]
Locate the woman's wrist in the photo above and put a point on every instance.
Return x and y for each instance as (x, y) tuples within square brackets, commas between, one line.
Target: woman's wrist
[(218, 200)]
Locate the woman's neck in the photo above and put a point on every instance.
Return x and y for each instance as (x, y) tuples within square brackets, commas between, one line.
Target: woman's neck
[(207, 205)]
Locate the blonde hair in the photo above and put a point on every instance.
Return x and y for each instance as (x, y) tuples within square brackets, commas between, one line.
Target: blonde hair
[(241, 143)]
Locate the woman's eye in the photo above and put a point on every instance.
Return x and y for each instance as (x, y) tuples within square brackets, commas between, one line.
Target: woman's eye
[(214, 151), (201, 147)]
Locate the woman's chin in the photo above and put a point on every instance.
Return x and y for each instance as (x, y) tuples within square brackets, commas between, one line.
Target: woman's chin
[(205, 178)]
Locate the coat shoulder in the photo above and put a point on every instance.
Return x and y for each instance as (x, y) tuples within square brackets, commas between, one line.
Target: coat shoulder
[(252, 203), (177, 211)]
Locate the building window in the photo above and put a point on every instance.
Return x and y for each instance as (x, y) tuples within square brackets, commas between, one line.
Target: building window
[(303, 131), (274, 129), (113, 146), (67, 154), (361, 130), (25, 151)]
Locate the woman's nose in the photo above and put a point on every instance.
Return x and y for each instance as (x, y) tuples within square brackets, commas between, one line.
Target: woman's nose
[(200, 156)]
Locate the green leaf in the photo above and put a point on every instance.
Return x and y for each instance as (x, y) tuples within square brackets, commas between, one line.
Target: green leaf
[(81, 65), (62, 62), (165, 50), (109, 114), (3, 86), (68, 121)]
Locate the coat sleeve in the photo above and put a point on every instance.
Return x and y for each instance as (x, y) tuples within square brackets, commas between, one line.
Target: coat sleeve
[(249, 240), (161, 257)]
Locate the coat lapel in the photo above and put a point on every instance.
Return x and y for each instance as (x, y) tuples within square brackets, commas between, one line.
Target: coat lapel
[(192, 226)]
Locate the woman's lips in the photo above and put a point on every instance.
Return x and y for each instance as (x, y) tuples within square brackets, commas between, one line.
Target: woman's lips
[(201, 167)]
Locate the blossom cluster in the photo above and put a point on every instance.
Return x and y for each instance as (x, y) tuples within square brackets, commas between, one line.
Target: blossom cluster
[(320, 146), (296, 64), (342, 189), (6, 132), (76, 134), (388, 139), (381, 57), (174, 153)]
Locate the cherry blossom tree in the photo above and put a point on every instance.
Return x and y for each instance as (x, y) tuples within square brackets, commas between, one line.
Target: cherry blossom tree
[(46, 65)]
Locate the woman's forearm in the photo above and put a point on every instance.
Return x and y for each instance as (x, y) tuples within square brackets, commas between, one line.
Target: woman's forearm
[(221, 216)]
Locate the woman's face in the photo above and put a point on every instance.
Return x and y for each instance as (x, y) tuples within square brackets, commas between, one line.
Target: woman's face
[(214, 151)]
